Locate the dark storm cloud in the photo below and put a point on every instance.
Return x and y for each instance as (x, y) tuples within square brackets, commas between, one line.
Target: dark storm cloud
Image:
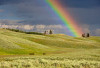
[(11, 2), (4, 2), (81, 3), (36, 12), (32, 11)]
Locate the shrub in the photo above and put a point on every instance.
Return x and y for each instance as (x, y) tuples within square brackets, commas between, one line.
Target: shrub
[(44, 53), (31, 54)]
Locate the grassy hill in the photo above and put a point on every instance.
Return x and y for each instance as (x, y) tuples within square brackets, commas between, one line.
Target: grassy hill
[(12, 43)]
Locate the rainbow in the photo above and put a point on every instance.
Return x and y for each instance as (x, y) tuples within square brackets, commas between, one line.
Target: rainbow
[(65, 17)]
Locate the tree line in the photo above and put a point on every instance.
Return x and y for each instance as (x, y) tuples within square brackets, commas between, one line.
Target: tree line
[(46, 32), (17, 30)]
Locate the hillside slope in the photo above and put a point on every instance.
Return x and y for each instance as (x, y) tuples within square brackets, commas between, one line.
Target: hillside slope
[(21, 43)]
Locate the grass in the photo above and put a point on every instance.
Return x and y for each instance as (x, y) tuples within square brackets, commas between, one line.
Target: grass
[(48, 62), (20, 43), (61, 51)]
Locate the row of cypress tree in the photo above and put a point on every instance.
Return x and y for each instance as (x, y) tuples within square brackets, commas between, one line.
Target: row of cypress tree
[(48, 32)]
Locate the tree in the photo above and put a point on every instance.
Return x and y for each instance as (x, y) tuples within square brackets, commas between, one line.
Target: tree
[(83, 35), (88, 35), (50, 32), (45, 32)]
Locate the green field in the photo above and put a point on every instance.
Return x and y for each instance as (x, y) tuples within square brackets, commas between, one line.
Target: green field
[(59, 49)]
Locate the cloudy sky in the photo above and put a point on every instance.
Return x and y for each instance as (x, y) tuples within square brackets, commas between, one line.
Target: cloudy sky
[(36, 15)]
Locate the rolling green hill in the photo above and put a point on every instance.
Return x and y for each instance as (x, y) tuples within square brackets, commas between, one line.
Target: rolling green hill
[(20, 43)]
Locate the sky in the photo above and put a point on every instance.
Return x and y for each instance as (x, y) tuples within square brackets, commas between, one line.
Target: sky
[(36, 15)]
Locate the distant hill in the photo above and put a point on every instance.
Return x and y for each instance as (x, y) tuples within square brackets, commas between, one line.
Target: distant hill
[(12, 42)]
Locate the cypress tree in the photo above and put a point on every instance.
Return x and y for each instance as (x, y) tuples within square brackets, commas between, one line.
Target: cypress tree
[(88, 35), (45, 32), (50, 32)]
